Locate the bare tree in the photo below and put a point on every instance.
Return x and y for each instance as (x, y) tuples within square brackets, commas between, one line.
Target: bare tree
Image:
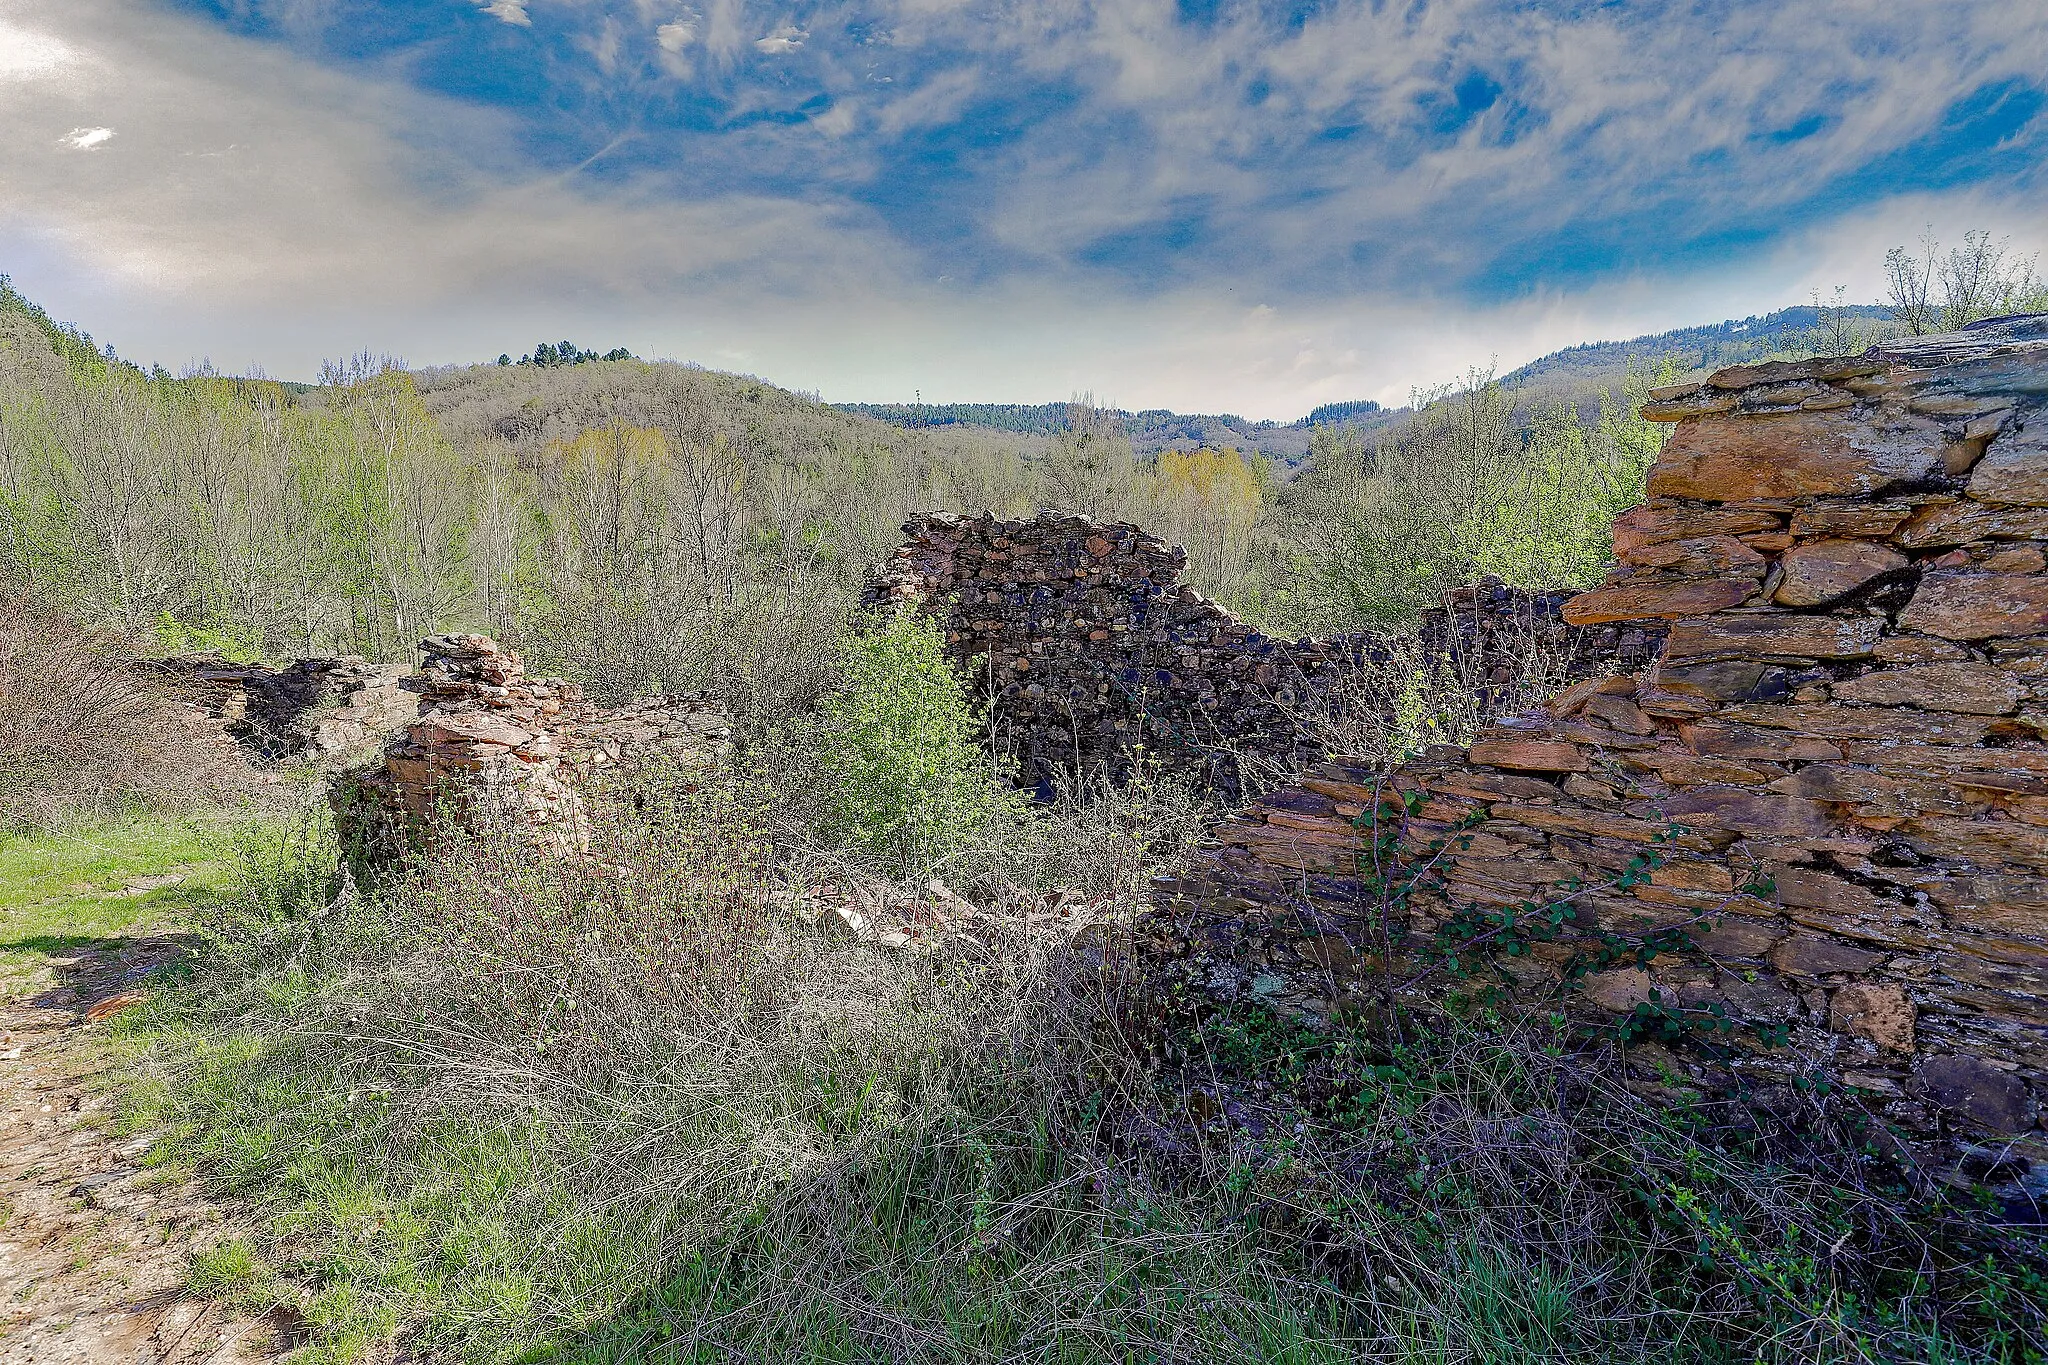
[(1981, 278)]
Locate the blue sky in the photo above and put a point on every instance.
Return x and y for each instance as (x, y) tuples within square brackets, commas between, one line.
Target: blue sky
[(1247, 205)]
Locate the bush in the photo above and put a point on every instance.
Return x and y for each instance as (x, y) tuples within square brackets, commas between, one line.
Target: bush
[(906, 778), (85, 729), (510, 1099)]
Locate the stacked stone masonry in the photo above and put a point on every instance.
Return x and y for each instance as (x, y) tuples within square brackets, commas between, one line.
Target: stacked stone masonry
[(320, 711), (1092, 651), (1843, 731), (489, 742)]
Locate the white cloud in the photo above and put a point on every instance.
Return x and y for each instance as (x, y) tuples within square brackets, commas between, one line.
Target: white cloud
[(788, 38), (676, 36), (511, 11), (25, 55), (336, 227), (85, 139)]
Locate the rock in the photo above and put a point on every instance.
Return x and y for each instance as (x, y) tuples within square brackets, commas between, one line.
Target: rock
[(489, 740), (1619, 991), (1804, 955), (1529, 755), (1888, 723), (1809, 889), (1972, 689), (1724, 680), (1090, 652), (1657, 599), (1798, 637), (1863, 520), (1959, 523), (1985, 843), (1732, 458), (1822, 571), (2020, 560), (1699, 557), (2014, 469), (1750, 1002), (1978, 606), (1735, 937), (1792, 371), (1746, 812), (1917, 649), (1993, 902), (1981, 1094), (1665, 405), (1652, 523), (1877, 1011), (1620, 713)]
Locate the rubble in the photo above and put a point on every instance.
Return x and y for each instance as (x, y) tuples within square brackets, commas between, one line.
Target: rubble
[(325, 712), (1092, 651), (491, 742)]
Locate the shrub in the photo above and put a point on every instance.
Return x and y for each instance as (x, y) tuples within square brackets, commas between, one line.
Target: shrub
[(906, 778), (512, 1096), (86, 729)]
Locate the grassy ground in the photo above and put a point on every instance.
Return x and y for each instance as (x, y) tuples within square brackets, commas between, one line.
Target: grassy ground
[(106, 880), (697, 1192)]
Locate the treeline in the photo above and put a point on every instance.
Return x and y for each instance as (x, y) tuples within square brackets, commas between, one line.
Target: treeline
[(549, 354)]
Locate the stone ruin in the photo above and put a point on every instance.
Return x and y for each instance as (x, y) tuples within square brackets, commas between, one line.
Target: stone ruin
[(1091, 651), (324, 712), (489, 742), (1834, 764)]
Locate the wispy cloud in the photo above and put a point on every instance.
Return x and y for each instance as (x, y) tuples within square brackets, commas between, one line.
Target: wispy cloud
[(1253, 204), (511, 11), (26, 55), (85, 139)]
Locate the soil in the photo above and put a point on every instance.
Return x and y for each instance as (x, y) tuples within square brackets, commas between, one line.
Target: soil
[(95, 1246)]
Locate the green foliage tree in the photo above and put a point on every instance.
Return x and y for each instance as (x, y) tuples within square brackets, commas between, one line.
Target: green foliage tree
[(1471, 486), (907, 778)]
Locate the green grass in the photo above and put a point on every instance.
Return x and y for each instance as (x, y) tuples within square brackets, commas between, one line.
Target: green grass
[(473, 1228), (231, 1271), (67, 890), (468, 1244)]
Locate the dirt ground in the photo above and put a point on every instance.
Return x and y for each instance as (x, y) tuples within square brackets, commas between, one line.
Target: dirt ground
[(94, 1247)]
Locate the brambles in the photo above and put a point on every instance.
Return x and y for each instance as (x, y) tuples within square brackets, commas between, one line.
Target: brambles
[(85, 730)]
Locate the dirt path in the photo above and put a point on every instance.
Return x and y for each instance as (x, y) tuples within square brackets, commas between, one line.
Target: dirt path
[(94, 1248)]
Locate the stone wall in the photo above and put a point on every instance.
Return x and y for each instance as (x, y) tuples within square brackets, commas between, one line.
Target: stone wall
[(491, 742), (1092, 650), (320, 711), (1809, 842)]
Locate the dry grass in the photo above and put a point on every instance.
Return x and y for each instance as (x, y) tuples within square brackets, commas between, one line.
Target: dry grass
[(85, 730), (633, 1108)]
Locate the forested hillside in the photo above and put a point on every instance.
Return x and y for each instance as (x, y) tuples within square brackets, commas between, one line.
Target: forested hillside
[(645, 526), (1150, 431)]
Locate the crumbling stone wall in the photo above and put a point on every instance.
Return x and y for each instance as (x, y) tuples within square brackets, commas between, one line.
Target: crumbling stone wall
[(320, 711), (491, 742), (1820, 814), (1092, 650)]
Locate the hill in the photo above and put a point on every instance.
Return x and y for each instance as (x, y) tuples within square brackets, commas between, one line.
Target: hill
[(1575, 374), (1705, 347), (1151, 430)]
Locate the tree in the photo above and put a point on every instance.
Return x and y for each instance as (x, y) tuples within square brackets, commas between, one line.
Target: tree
[(907, 778), (1939, 292), (1090, 468)]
